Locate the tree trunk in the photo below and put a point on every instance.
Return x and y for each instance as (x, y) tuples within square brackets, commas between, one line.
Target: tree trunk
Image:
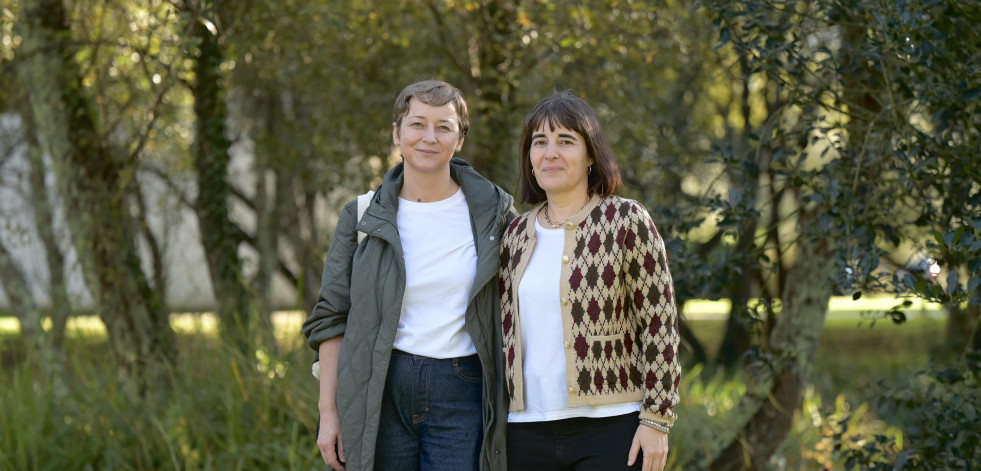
[(765, 414), (739, 333), (91, 183), (22, 303), (211, 158), (960, 329), (60, 308)]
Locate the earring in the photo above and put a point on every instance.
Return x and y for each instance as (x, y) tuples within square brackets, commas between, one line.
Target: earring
[(589, 170), (532, 171)]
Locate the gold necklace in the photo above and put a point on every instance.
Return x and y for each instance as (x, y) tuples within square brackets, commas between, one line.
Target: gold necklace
[(554, 225)]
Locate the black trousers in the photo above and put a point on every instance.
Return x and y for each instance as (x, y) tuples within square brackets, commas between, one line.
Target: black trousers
[(579, 444)]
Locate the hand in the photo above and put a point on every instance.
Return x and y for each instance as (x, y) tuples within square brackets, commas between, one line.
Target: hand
[(654, 444), (330, 442)]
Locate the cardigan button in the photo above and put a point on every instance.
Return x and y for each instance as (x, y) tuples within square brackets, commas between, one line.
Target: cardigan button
[(565, 259), (572, 390), (564, 301), (569, 226), (568, 344)]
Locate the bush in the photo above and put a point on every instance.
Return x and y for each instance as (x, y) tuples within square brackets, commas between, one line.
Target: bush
[(938, 411)]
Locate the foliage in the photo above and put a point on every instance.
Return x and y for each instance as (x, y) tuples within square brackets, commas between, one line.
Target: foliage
[(212, 409), (937, 410)]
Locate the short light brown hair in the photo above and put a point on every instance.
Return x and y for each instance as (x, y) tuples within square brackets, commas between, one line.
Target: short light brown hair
[(433, 93), (571, 112)]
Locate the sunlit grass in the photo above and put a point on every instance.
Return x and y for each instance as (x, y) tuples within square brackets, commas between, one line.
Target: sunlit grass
[(286, 323), (289, 322)]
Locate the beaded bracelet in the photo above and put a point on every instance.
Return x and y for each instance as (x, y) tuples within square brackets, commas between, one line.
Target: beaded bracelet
[(656, 426)]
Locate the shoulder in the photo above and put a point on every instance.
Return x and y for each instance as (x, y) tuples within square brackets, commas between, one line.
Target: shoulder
[(475, 183), (349, 211), (619, 209)]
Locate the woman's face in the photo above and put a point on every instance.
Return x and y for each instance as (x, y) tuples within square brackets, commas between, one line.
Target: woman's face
[(428, 137), (560, 160)]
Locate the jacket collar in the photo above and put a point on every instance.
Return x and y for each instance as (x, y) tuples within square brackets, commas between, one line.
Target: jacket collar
[(482, 202)]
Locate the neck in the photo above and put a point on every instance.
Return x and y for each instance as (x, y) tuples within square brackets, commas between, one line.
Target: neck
[(564, 205), (427, 187)]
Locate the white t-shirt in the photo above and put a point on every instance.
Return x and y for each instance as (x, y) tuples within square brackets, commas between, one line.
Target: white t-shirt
[(542, 348), (440, 265)]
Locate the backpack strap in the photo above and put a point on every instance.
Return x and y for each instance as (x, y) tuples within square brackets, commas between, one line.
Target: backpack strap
[(363, 202)]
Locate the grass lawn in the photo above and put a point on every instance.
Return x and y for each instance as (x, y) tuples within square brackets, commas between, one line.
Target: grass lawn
[(858, 348)]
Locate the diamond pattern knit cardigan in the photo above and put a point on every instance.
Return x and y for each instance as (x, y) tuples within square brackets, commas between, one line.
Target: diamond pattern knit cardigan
[(619, 318)]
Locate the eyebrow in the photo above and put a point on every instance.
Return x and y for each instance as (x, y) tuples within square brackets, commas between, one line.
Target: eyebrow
[(565, 135), (423, 118)]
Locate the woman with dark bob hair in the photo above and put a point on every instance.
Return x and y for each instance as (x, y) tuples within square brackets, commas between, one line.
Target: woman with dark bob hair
[(587, 307)]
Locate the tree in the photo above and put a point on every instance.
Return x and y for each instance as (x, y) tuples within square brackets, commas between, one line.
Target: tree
[(219, 235), (95, 182)]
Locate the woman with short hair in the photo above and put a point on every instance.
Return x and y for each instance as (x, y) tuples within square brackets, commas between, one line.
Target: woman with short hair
[(406, 324)]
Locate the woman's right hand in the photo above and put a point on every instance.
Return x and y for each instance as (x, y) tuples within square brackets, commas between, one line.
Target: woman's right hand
[(330, 442)]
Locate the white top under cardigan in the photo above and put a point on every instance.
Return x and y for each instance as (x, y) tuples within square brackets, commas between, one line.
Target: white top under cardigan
[(440, 265), (543, 358)]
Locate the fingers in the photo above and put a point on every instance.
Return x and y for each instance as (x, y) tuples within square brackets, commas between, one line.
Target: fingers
[(340, 448), (648, 463), (654, 445), (331, 457), (331, 445), (632, 454), (654, 461)]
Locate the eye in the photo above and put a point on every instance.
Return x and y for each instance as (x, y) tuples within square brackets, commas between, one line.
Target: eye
[(538, 142), (445, 129), (415, 124)]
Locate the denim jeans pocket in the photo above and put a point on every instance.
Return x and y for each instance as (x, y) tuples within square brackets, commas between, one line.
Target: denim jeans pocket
[(468, 369)]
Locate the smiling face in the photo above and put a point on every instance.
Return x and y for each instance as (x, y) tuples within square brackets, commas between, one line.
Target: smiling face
[(560, 160), (428, 136)]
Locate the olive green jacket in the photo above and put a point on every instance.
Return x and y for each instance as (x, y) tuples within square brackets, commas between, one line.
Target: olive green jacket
[(361, 299)]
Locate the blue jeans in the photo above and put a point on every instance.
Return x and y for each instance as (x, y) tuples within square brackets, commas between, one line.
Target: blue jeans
[(431, 415)]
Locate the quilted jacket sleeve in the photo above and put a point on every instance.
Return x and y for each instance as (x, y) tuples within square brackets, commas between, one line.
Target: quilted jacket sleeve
[(329, 316)]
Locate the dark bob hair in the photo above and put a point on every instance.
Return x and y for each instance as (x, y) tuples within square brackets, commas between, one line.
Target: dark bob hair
[(567, 110)]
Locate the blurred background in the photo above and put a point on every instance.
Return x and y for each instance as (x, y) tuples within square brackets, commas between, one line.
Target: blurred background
[(171, 173)]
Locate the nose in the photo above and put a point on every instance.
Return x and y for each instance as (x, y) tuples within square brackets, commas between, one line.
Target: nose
[(429, 135), (551, 151)]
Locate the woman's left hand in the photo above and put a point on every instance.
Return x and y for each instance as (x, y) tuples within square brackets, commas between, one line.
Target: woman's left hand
[(655, 448)]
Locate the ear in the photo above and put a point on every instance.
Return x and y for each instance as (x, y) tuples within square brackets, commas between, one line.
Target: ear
[(395, 134), (459, 144)]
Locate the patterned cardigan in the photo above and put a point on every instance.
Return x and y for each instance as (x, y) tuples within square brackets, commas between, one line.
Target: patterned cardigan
[(619, 318)]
